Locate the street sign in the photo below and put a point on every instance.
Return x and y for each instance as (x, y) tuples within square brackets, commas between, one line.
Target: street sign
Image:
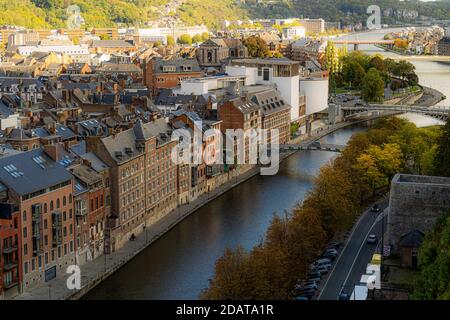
[(386, 250)]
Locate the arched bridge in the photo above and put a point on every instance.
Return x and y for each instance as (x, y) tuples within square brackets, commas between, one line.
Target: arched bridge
[(439, 113), (316, 145), (356, 43)]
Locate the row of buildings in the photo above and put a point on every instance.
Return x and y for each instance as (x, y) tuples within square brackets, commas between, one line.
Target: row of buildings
[(85, 146)]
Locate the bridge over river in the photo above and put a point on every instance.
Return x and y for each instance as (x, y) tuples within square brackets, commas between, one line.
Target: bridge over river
[(440, 113)]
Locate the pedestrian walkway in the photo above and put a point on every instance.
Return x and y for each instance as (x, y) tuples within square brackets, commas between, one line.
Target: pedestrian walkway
[(94, 272)]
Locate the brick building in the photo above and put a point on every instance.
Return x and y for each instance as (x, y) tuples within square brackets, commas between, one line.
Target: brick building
[(143, 178), (276, 114), (214, 52), (42, 189), (239, 113), (10, 247), (168, 74)]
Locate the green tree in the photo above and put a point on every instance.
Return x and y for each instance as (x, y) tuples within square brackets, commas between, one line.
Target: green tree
[(332, 63), (434, 262), (185, 39), (205, 36), (372, 86), (197, 38), (353, 73), (170, 41), (442, 159)]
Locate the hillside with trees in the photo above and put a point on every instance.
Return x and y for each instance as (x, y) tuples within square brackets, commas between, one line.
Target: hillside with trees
[(212, 13)]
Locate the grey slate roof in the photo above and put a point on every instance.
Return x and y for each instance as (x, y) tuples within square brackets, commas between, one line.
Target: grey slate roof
[(24, 175), (127, 140), (412, 240), (270, 102), (112, 44), (178, 63)]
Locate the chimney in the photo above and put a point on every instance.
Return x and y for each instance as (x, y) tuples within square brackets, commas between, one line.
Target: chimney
[(52, 151)]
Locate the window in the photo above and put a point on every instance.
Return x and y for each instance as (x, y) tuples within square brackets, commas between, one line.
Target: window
[(24, 216), (51, 205), (266, 74), (64, 200), (58, 204)]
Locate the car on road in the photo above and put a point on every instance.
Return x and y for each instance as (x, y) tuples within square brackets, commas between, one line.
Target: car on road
[(376, 208), (372, 239), (343, 296)]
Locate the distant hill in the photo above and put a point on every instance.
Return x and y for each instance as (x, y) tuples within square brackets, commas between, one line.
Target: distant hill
[(106, 13)]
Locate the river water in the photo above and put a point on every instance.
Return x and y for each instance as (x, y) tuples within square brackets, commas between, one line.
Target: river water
[(179, 264)]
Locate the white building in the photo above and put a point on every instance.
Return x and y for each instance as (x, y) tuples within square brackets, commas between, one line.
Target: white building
[(316, 92), (78, 53), (282, 73), (293, 33)]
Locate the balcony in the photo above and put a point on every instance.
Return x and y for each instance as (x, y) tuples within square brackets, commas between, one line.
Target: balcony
[(10, 249), (9, 265)]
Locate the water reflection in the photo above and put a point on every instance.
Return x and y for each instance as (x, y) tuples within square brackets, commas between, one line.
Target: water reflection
[(179, 265)]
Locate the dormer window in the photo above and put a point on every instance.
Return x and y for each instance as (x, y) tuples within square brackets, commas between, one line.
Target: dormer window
[(169, 68), (187, 68)]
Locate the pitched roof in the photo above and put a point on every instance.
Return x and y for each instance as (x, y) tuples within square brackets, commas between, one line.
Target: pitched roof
[(31, 171), (178, 63), (412, 240), (111, 44), (122, 147), (270, 102)]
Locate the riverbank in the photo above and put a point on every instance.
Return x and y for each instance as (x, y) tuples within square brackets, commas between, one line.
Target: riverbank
[(96, 271)]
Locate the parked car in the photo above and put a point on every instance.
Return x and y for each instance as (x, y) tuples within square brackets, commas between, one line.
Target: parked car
[(314, 276), (305, 291), (333, 245), (310, 282), (332, 251), (376, 208), (321, 262), (305, 296), (372, 239), (312, 286), (323, 269), (329, 255)]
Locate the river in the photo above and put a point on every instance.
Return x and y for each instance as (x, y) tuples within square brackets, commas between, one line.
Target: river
[(179, 264)]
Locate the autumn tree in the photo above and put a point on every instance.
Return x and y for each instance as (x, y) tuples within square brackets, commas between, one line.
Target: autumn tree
[(379, 164), (257, 47), (231, 279)]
